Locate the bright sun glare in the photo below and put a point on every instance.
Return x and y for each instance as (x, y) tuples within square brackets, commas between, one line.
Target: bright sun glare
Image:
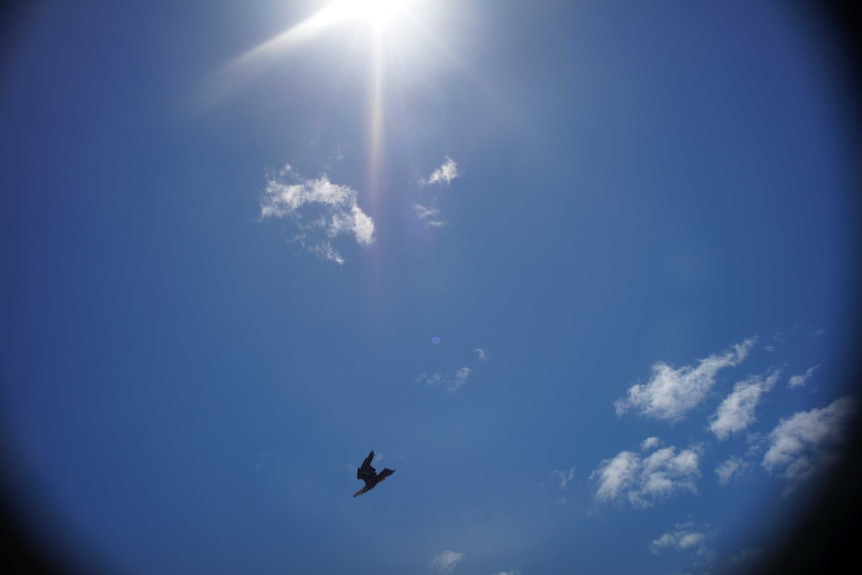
[(376, 12)]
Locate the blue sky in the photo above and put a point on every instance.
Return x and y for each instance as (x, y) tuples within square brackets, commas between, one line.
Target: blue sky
[(231, 231)]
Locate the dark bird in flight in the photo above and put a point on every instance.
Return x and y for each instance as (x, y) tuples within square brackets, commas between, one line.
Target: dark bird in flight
[(369, 475)]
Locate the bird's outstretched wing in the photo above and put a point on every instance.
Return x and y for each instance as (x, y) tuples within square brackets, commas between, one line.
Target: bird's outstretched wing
[(385, 473), (366, 471)]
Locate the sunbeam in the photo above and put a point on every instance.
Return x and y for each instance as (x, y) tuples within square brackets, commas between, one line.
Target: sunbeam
[(379, 14), (247, 66)]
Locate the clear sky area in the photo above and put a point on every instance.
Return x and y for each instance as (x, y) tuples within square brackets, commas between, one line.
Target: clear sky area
[(582, 273)]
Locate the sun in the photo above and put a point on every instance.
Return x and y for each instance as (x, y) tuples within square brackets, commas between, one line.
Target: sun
[(378, 13)]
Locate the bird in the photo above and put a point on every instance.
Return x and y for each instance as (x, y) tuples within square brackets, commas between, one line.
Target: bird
[(369, 475)]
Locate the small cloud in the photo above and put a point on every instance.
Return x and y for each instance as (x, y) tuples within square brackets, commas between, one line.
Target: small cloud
[(649, 443), (435, 378), (684, 537), (461, 377), (332, 160), (563, 476), (645, 481), (670, 392), (445, 173), (802, 379), (801, 445), (729, 468), (320, 210), (482, 354), (429, 215), (445, 561), (616, 475), (736, 412), (428, 212), (511, 572), (453, 384)]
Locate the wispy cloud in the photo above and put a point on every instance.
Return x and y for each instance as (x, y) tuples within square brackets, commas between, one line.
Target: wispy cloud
[(685, 536), (670, 392), (427, 211), (563, 476), (430, 215), (616, 476), (649, 443), (729, 468), (447, 172), (445, 561), (453, 383), (802, 379), (511, 572), (808, 440), (736, 412), (461, 376), (645, 481), (482, 354), (320, 210)]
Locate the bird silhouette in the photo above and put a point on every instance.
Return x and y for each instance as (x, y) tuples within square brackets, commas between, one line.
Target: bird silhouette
[(369, 475)]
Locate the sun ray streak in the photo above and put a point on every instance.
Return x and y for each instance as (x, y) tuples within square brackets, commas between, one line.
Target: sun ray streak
[(247, 66), (415, 21), (375, 152), (492, 95), (376, 115)]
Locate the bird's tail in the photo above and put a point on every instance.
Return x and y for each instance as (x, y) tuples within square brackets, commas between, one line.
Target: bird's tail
[(385, 473)]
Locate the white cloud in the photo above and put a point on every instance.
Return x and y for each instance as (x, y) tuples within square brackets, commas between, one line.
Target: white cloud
[(670, 392), (321, 211), (428, 212), (481, 353), (684, 537), (616, 475), (429, 215), (801, 445), (649, 443), (736, 412), (802, 379), (563, 476), (461, 378), (645, 481), (453, 383), (512, 572), (728, 468), (445, 561), (445, 173)]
